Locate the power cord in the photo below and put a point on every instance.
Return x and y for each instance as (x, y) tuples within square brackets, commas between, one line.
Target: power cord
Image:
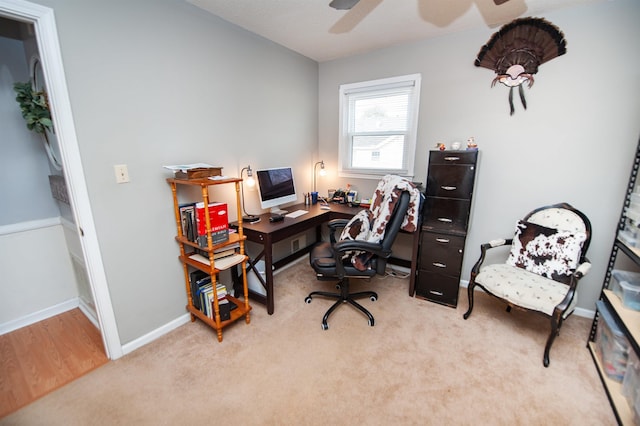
[(392, 272)]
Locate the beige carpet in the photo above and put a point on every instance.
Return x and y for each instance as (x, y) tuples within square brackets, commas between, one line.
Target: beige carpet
[(420, 364)]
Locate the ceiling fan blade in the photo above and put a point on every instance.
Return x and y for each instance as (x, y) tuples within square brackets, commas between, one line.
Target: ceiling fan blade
[(499, 2), (343, 4)]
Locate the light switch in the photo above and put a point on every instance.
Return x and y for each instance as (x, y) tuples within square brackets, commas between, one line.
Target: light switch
[(122, 173)]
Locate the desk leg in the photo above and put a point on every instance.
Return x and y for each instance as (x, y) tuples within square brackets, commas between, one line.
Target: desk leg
[(268, 271)]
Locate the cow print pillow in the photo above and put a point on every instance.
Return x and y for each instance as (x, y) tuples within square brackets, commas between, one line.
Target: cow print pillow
[(548, 252)]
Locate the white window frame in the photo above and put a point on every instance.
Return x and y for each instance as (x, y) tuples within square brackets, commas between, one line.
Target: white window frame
[(345, 125)]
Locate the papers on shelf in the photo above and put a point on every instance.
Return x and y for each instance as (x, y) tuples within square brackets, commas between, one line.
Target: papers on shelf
[(186, 167), (222, 263)]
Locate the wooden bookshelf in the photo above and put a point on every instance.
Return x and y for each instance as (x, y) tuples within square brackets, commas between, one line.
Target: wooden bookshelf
[(187, 248)]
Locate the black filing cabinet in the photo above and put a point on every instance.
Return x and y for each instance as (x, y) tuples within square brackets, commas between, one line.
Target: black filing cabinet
[(445, 218)]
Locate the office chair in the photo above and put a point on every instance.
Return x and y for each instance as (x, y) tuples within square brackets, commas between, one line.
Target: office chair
[(365, 243), (541, 273)]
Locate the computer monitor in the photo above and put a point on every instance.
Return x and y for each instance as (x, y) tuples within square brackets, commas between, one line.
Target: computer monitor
[(276, 187)]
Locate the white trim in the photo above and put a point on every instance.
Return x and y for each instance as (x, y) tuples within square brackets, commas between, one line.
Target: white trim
[(68, 224), (49, 47), (43, 314), (31, 225), (89, 313), (127, 348)]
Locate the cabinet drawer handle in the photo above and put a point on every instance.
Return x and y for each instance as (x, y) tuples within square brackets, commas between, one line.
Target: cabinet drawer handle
[(439, 265), (445, 219), (449, 188), (442, 240), (437, 293), (451, 158)]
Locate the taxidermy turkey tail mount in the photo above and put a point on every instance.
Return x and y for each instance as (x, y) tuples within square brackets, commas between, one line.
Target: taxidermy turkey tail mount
[(518, 49)]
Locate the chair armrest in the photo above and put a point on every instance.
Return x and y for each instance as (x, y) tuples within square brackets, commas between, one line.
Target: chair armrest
[(583, 269), (486, 247), (338, 223), (334, 225), (351, 245), (580, 272), (497, 243)]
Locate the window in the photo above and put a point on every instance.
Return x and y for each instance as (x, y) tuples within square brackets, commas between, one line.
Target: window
[(378, 125)]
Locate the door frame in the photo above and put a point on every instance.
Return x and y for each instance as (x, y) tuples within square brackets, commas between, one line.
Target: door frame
[(46, 35)]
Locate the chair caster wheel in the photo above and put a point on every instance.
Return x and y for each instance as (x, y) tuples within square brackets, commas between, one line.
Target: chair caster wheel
[(307, 300), (373, 298), (325, 326)]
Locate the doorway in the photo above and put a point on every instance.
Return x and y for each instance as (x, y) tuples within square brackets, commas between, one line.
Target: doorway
[(46, 35)]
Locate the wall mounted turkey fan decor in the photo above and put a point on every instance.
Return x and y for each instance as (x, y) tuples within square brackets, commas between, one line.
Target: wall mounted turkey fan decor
[(518, 49), (348, 4)]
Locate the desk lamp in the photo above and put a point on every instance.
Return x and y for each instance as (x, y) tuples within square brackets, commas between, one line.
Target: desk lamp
[(249, 218), (322, 173)]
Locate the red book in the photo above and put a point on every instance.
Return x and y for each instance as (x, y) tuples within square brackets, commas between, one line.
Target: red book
[(218, 220)]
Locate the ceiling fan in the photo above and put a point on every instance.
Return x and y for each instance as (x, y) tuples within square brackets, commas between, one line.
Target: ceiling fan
[(348, 4)]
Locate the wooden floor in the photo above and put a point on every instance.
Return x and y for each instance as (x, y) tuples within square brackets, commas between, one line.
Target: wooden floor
[(42, 357)]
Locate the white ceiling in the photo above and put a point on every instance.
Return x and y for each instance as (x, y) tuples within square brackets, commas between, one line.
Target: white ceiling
[(315, 30)]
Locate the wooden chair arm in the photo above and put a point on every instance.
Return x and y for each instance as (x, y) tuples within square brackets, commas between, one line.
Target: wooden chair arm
[(483, 252)]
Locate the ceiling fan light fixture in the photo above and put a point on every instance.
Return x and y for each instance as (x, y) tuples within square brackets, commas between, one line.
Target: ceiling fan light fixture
[(343, 4)]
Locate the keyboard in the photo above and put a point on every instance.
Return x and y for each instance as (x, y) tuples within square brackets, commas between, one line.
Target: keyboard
[(296, 213)]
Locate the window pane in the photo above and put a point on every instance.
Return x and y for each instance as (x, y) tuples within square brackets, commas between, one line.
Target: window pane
[(381, 113), (377, 152)]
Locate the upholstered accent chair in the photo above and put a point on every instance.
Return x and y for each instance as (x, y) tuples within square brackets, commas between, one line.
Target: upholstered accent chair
[(543, 268), (365, 243)]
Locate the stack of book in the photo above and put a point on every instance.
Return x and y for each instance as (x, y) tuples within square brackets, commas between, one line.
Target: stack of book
[(202, 294)]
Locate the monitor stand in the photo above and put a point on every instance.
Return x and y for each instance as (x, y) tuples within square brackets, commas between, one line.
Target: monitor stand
[(278, 211)]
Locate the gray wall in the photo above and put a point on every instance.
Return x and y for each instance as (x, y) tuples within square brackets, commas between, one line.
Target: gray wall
[(156, 83), (575, 143)]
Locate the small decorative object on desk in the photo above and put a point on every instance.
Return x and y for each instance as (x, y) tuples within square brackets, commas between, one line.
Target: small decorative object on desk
[(456, 145), (194, 171), (441, 146), (471, 144)]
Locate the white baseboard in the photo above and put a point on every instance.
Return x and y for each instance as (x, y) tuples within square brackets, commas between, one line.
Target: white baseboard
[(172, 325), (581, 312), (39, 316), (90, 313), (153, 335)]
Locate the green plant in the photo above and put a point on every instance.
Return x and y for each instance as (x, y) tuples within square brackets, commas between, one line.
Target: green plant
[(34, 107)]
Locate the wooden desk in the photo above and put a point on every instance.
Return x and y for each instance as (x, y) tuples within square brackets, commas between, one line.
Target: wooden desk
[(267, 233)]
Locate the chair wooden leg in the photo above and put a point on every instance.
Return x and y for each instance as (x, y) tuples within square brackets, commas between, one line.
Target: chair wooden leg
[(470, 288), (555, 330)]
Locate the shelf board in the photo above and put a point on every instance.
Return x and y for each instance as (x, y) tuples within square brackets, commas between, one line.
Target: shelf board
[(236, 314), (630, 317), (233, 238), (632, 252), (619, 403), (205, 267)]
